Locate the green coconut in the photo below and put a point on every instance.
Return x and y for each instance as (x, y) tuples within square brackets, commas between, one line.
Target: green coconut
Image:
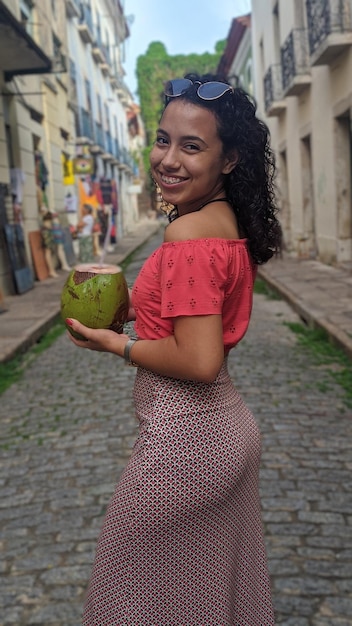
[(97, 296)]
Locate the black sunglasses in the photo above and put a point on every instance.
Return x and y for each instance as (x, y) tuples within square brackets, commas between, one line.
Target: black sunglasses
[(206, 91)]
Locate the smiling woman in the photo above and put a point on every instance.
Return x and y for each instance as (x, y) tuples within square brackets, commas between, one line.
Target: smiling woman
[(182, 541), (187, 160)]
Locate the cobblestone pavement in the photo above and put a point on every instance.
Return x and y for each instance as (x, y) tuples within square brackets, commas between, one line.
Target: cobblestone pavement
[(69, 428)]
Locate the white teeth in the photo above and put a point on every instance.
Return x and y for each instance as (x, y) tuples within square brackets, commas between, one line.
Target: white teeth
[(170, 179)]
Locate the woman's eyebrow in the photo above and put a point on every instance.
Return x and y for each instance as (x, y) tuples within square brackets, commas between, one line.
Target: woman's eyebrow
[(183, 137)]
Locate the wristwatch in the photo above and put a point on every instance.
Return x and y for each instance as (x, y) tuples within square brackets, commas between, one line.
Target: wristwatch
[(127, 352)]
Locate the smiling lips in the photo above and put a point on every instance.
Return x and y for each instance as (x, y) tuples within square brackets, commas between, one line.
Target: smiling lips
[(171, 180)]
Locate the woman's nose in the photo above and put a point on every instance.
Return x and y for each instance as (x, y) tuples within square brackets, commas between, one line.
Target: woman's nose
[(171, 159)]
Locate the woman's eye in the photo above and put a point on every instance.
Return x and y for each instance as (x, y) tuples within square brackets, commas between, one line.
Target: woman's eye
[(161, 140), (191, 147)]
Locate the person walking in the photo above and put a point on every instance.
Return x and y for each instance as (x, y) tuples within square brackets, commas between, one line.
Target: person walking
[(182, 542), (85, 235)]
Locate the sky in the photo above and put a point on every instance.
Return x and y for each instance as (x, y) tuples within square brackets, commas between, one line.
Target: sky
[(183, 26)]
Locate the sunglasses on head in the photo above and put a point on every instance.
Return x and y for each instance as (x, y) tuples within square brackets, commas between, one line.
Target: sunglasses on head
[(206, 91)]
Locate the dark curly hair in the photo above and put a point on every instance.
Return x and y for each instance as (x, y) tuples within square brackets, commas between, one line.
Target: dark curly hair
[(250, 186)]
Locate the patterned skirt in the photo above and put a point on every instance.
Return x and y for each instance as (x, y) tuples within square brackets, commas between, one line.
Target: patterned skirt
[(182, 541)]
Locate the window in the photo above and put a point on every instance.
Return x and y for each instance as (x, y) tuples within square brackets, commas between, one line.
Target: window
[(276, 29), (88, 96), (59, 59), (26, 11), (107, 117), (100, 110)]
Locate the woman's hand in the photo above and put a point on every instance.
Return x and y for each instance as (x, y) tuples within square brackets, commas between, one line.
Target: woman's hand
[(100, 340)]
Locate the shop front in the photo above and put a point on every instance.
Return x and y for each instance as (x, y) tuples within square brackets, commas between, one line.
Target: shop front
[(19, 56)]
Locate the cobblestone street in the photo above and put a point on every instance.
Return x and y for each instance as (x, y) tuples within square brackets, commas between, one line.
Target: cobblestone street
[(69, 427)]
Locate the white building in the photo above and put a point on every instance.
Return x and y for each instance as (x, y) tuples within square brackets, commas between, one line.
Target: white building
[(35, 124), (236, 62), (96, 32), (62, 98), (303, 67)]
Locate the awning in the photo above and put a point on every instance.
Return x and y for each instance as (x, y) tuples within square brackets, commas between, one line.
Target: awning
[(19, 54)]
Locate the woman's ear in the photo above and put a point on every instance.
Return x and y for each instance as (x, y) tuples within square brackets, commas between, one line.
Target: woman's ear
[(230, 162)]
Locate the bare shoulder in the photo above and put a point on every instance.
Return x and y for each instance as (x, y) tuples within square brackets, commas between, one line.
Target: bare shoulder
[(183, 228), (217, 221)]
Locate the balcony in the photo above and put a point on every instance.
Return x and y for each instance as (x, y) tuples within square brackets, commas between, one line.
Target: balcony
[(109, 143), (99, 139), (296, 75), (127, 160), (113, 80), (73, 8), (106, 53), (116, 150), (101, 55), (98, 54), (105, 68), (84, 127), (85, 26), (330, 29), (19, 53), (275, 104), (122, 165), (59, 63)]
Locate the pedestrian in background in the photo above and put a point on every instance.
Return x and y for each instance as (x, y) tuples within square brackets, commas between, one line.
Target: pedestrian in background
[(182, 542), (85, 235)]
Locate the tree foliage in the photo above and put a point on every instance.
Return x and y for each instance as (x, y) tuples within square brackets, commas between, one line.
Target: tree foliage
[(154, 68)]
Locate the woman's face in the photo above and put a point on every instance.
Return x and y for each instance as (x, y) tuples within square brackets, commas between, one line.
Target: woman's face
[(187, 160)]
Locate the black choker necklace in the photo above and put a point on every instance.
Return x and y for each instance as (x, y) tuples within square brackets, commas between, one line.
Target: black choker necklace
[(173, 214), (210, 201)]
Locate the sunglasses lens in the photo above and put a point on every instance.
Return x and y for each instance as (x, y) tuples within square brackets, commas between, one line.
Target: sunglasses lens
[(212, 90), (177, 86)]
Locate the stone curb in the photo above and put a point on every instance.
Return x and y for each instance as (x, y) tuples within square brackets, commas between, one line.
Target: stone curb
[(312, 318)]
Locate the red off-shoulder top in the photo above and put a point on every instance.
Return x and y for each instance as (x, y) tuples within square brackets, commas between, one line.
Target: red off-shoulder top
[(195, 277)]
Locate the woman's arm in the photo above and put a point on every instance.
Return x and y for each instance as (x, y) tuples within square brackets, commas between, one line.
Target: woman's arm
[(131, 312), (195, 350)]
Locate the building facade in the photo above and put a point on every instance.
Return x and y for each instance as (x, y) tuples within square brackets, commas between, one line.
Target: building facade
[(236, 62), (64, 136), (303, 66)]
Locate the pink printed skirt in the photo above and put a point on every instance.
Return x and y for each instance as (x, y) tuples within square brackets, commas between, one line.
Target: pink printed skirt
[(182, 541)]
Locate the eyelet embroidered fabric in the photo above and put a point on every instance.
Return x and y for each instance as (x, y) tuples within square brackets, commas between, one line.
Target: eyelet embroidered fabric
[(195, 277)]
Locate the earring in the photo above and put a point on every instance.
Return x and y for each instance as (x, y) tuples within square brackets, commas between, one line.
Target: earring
[(170, 210)]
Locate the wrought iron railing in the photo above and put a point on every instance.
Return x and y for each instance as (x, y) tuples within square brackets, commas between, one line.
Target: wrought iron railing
[(272, 85), (326, 17), (294, 56)]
